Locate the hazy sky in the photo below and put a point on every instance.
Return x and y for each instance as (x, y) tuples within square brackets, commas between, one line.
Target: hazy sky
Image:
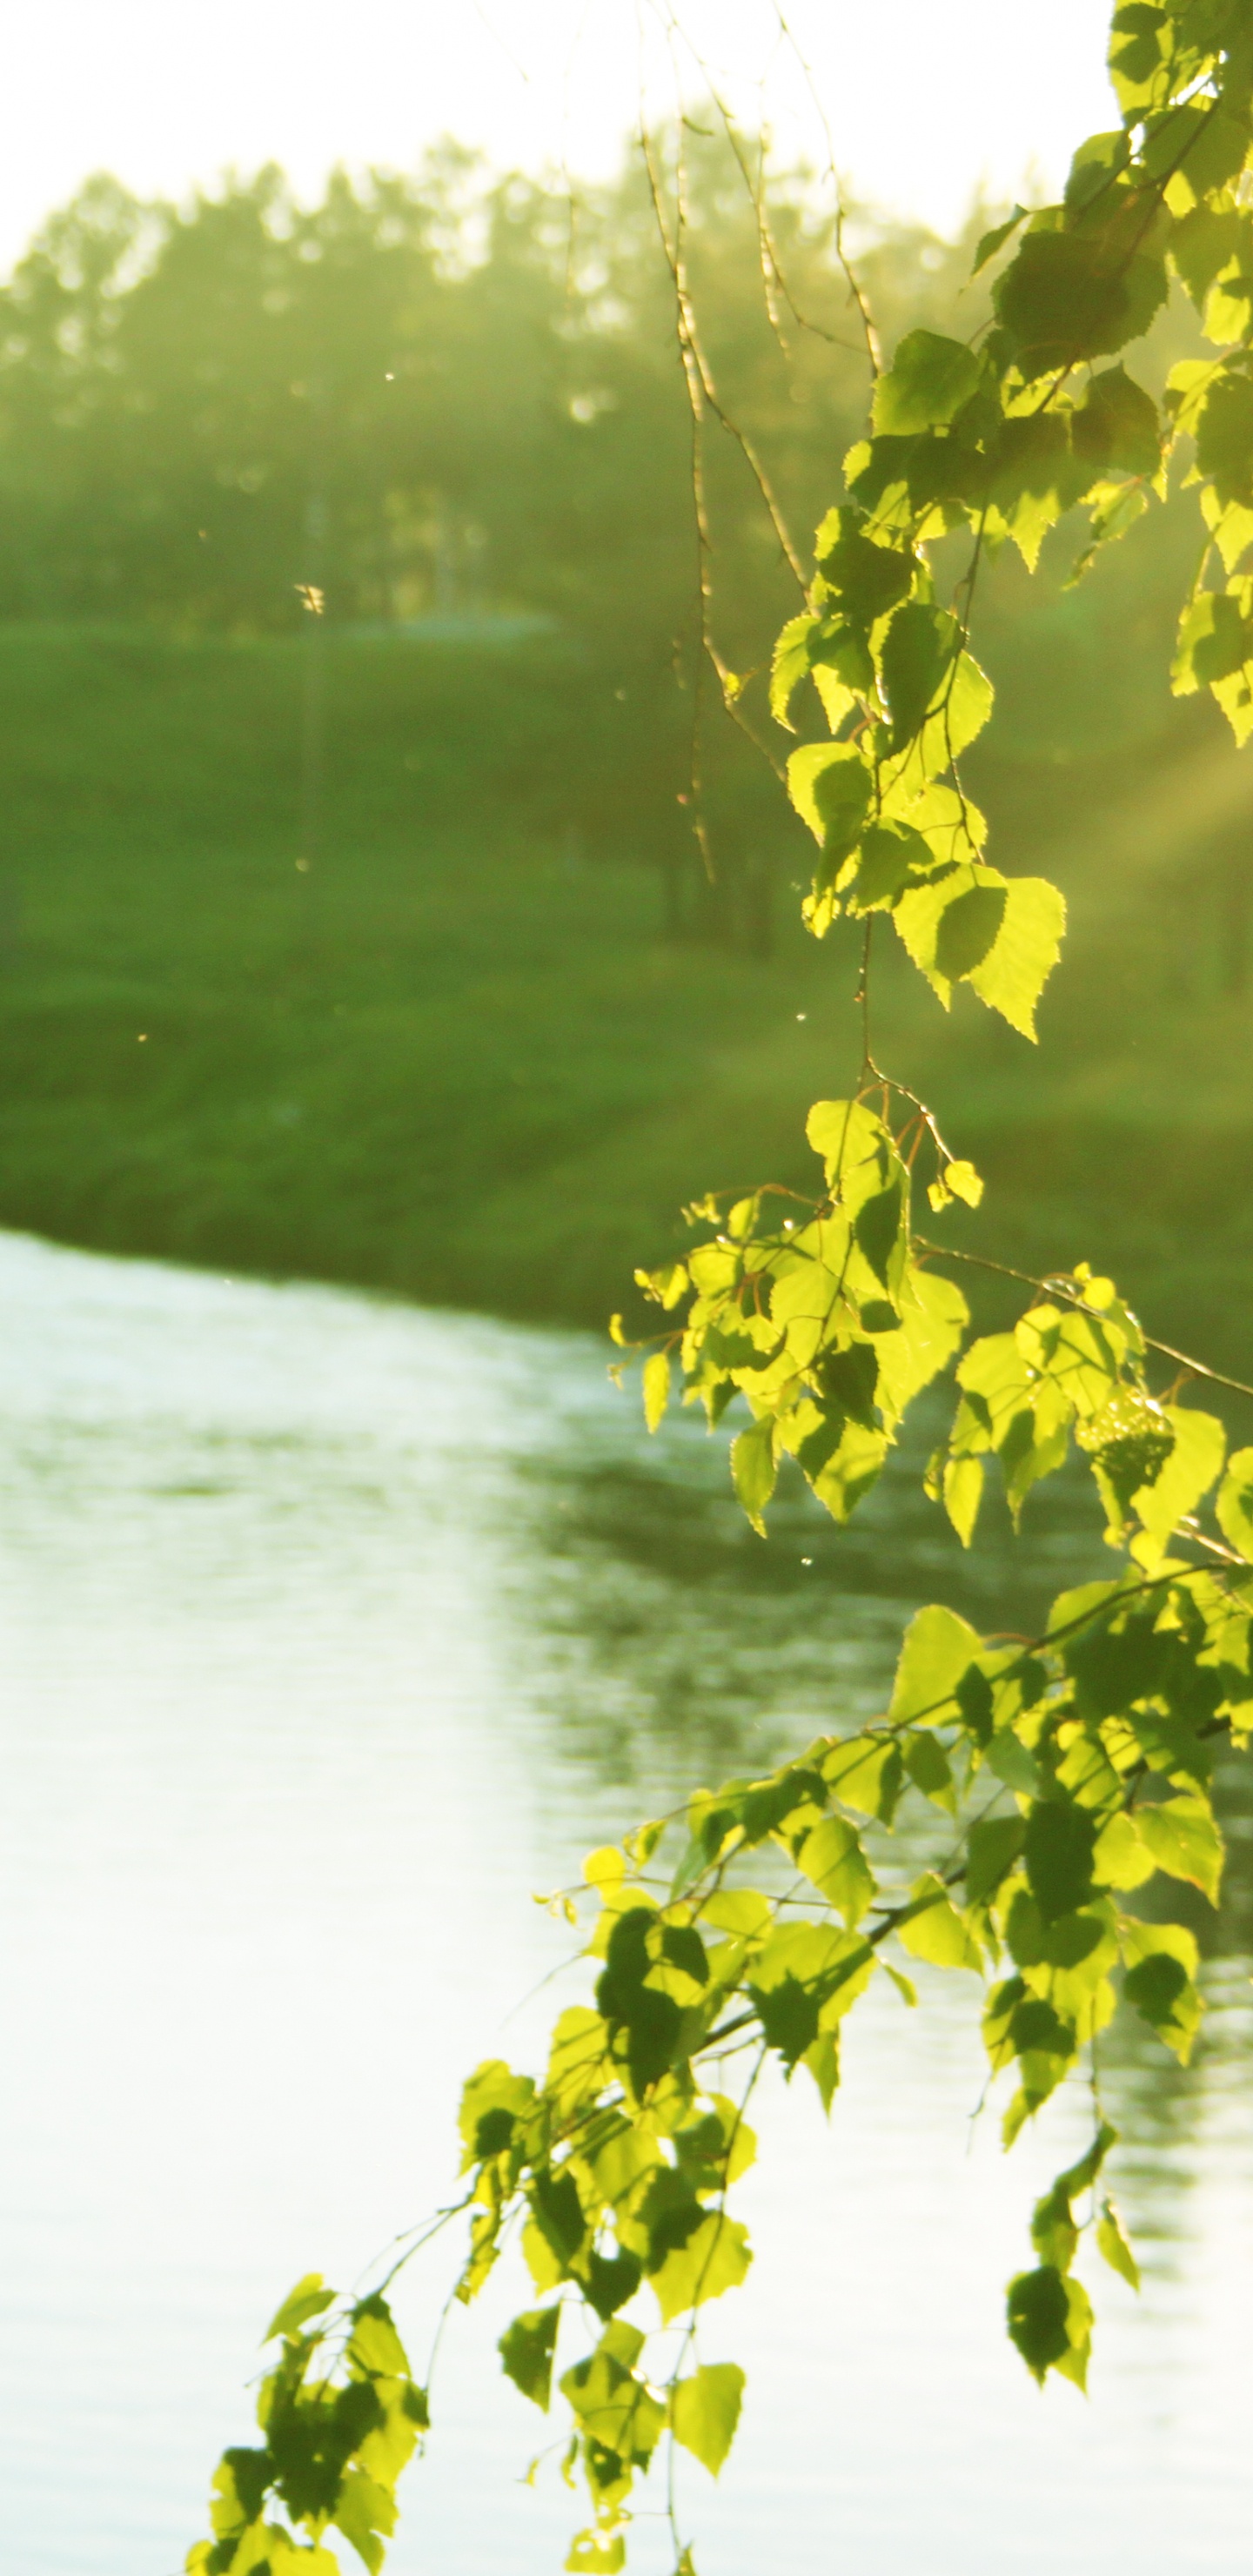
[(924, 97)]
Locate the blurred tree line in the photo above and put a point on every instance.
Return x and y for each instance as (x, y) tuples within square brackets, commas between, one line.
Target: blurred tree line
[(478, 380), (454, 398)]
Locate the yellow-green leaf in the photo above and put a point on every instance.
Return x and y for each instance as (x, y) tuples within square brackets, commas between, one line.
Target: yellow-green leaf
[(1184, 1840), (833, 1858), (656, 1387), (754, 1469), (705, 2410), (939, 1646), (1112, 2244), (714, 2258), (1234, 1506), (937, 1932), (307, 2300)]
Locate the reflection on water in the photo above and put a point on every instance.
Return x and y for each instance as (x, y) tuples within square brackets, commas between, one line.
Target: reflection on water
[(332, 1631)]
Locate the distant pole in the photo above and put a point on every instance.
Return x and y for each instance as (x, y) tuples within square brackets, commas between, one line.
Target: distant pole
[(313, 694), (312, 591)]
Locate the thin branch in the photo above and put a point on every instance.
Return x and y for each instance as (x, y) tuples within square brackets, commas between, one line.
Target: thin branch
[(1057, 1287)]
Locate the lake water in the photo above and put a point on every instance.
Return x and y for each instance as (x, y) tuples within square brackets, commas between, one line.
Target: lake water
[(332, 1631)]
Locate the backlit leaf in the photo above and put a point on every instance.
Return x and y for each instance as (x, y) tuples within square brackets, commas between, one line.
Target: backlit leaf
[(990, 242), (754, 1469), (929, 380), (1234, 1506), (1112, 2244), (595, 2553), (526, 2348), (938, 1648), (713, 2259), (1161, 1981), (1183, 1839), (937, 1932), (656, 1387), (705, 2410), (830, 786), (1059, 1843), (1115, 429), (309, 2298), (833, 1858)]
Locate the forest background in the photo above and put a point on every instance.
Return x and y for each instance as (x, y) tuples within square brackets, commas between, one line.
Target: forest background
[(352, 917)]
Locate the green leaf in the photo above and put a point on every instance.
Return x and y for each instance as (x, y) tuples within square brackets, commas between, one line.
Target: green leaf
[(1012, 975), (1112, 2244), (713, 2259), (1058, 1845), (1002, 936), (1160, 1981), (608, 2281), (1050, 2321), (1097, 162), (591, 2553), (1115, 509), (1120, 1859), (493, 2102), (878, 1231), (1116, 428), (833, 1858), (929, 380), (1193, 1465), (1201, 244), (365, 2512), (928, 1766), (918, 651), (891, 857), (666, 1286), (1139, 39), (822, 2058), (1234, 1506), (1223, 428), (309, 2298), (992, 1846), (1214, 642), (961, 710), (938, 1649), (788, 2012), (968, 928), (830, 652), (1083, 2173), (868, 579), (1067, 297), (656, 1387), (937, 1932), (374, 2346), (989, 243), (1053, 2230), (1039, 2318), (705, 2410), (830, 786), (963, 1182), (1184, 1840), (867, 1773), (1036, 477), (963, 1493), (789, 666), (526, 2348), (754, 1469), (857, 1151), (619, 2412), (806, 1972)]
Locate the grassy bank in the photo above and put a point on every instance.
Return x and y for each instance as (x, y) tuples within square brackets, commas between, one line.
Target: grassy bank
[(465, 1055)]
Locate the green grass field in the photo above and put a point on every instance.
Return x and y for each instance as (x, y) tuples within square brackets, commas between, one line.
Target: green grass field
[(461, 1058)]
